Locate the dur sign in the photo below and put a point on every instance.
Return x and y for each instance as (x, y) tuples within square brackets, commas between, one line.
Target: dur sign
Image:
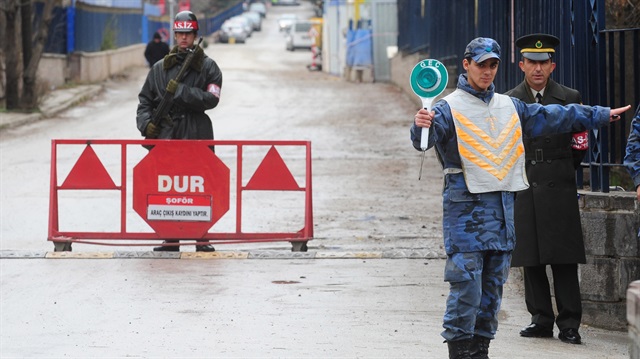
[(181, 189)]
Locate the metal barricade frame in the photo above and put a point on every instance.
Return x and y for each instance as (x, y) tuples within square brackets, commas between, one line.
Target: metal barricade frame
[(86, 175)]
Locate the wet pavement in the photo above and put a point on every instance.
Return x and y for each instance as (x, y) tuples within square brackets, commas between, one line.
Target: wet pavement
[(370, 285), (246, 305)]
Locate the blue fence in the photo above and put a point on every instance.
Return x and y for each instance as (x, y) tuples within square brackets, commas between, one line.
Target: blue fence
[(90, 28), (597, 62)]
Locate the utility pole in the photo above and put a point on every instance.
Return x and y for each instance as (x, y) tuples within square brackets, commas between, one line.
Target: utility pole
[(171, 16)]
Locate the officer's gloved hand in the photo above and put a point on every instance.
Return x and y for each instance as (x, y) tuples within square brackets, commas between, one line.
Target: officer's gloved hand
[(152, 131), (172, 86)]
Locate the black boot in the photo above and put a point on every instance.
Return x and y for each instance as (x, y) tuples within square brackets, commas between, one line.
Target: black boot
[(205, 248), (167, 248), (479, 347), (459, 349)]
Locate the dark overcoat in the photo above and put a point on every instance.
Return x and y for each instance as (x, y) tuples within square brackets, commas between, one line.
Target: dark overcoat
[(198, 91), (547, 217)]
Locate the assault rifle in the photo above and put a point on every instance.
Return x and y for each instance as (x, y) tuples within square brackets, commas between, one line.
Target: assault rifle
[(167, 100)]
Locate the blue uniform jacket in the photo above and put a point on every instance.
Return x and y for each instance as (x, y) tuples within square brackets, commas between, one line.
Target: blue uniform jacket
[(484, 221), (632, 158)]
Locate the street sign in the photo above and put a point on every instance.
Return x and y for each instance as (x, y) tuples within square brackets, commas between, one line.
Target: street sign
[(181, 198), (428, 79)]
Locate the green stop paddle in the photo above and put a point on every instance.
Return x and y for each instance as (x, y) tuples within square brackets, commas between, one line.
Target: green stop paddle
[(428, 79)]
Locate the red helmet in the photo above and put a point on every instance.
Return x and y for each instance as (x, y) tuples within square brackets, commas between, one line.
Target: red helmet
[(185, 21)]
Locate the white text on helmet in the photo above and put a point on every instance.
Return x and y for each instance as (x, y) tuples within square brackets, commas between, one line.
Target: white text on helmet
[(184, 25)]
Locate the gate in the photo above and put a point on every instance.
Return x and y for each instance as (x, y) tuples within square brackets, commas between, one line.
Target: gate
[(593, 57), (125, 195)]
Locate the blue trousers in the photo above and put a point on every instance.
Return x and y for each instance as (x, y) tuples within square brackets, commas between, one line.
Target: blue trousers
[(475, 281)]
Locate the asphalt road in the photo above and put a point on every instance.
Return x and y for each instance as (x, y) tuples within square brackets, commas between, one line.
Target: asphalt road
[(370, 285)]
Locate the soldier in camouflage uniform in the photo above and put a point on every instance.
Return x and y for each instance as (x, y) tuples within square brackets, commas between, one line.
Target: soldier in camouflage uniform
[(478, 137), (632, 158)]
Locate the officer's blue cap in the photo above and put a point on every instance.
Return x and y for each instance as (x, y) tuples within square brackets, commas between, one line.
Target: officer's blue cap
[(481, 49)]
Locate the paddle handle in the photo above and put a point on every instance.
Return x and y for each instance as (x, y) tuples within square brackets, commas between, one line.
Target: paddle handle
[(424, 137)]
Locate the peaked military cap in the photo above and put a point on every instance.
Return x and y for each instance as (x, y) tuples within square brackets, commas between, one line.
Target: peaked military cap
[(537, 47)]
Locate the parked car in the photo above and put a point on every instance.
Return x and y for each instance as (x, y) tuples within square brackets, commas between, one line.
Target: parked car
[(259, 7), (298, 36), (232, 32), (285, 2), (255, 19), (285, 21), (244, 22)]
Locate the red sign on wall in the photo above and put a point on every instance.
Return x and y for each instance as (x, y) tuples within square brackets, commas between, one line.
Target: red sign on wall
[(181, 189)]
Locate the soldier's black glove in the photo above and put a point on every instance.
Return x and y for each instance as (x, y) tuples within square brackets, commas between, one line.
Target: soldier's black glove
[(152, 131), (172, 86)]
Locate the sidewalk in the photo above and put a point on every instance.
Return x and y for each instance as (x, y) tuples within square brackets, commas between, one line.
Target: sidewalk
[(53, 103)]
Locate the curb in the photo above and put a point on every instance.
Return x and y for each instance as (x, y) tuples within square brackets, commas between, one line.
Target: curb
[(396, 254), (51, 104)]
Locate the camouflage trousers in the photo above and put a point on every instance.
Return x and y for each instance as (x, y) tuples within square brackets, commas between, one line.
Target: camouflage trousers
[(475, 293)]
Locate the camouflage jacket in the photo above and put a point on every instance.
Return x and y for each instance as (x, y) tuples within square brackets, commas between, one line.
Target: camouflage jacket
[(632, 157), (484, 221)]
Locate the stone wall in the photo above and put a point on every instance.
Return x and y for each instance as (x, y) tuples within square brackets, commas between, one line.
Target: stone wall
[(610, 223)]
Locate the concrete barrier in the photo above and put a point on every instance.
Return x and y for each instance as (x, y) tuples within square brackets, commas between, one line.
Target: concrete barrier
[(52, 71), (89, 67), (610, 223)]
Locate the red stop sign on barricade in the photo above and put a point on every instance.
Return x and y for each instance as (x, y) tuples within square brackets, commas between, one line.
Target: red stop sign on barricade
[(181, 189)]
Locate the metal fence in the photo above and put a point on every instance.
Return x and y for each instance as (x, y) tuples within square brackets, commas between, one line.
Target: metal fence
[(596, 61), (91, 28)]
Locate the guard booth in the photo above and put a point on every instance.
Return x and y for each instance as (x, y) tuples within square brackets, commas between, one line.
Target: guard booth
[(118, 193)]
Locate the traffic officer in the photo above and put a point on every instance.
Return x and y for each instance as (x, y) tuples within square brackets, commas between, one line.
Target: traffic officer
[(198, 91), (547, 217)]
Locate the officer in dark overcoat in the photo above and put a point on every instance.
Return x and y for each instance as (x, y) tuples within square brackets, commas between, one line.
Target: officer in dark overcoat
[(547, 217)]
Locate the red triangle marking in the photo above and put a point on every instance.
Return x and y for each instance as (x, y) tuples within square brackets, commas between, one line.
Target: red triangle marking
[(88, 173), (272, 175)]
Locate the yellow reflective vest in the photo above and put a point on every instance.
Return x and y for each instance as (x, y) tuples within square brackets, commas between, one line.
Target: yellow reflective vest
[(489, 142)]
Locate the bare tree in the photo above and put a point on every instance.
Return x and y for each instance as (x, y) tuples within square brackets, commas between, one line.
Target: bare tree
[(4, 37), (21, 44), (30, 95), (11, 52)]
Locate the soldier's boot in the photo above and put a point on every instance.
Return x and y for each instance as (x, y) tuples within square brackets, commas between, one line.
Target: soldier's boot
[(167, 248), (479, 347), (205, 248), (459, 349)]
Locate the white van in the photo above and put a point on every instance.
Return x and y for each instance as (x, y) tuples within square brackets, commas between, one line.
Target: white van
[(259, 8), (299, 36)]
